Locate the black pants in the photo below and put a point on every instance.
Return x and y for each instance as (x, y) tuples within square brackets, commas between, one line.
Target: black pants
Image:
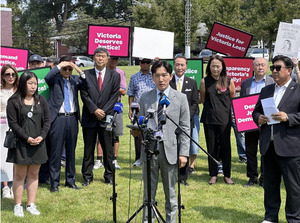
[(276, 168), (218, 138), (105, 139), (251, 142)]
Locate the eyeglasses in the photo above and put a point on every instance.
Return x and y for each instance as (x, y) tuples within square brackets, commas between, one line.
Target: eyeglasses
[(277, 67), (67, 69), (10, 75), (145, 61)]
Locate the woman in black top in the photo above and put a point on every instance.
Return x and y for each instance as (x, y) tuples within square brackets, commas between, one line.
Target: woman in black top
[(216, 92), (29, 118)]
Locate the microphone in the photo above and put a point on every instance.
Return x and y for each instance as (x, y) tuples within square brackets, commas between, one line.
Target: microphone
[(135, 108), (118, 108), (165, 102)]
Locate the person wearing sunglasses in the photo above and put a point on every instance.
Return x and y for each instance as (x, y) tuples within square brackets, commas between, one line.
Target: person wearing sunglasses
[(9, 84), (280, 142), (65, 113), (139, 83)]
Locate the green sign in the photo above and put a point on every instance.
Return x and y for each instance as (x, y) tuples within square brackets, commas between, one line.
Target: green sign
[(42, 86), (194, 69)]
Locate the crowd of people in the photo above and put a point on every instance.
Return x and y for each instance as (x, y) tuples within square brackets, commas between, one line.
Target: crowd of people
[(47, 130)]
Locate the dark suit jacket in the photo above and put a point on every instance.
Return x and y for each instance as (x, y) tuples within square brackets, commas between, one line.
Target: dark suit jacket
[(286, 134), (93, 98), (56, 84), (189, 88), (246, 85)]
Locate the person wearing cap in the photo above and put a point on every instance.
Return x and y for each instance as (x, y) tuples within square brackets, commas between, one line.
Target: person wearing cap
[(118, 129), (139, 83), (65, 113), (35, 61)]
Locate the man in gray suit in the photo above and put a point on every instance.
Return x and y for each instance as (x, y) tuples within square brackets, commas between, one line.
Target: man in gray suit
[(166, 160), (253, 85)]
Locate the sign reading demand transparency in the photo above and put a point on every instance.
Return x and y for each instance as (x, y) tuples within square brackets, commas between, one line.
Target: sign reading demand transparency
[(113, 38), (194, 69), (14, 56), (228, 40)]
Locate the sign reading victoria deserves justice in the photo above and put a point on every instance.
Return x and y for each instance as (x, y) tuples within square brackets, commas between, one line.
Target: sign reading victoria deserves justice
[(113, 38), (228, 40), (14, 56), (243, 108)]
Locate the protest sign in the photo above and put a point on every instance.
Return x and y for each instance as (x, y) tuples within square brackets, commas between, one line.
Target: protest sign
[(287, 40), (43, 88), (228, 40), (113, 38), (239, 69), (151, 43), (14, 56), (243, 108), (194, 69)]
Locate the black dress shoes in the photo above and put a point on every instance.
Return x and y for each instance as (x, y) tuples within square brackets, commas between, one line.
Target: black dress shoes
[(86, 182), (183, 182), (54, 189), (251, 183), (72, 186), (109, 181)]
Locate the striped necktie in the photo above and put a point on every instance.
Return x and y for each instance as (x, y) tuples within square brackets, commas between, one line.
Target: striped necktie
[(159, 111)]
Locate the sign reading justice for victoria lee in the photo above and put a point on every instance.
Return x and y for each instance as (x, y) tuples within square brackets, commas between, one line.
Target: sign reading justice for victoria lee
[(113, 38), (14, 56), (243, 108), (228, 40)]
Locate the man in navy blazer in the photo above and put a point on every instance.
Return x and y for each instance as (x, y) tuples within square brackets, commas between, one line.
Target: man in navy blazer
[(98, 104), (187, 86), (280, 143), (253, 85), (65, 113)]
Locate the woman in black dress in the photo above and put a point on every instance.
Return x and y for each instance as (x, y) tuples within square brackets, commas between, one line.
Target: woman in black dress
[(29, 118), (216, 92)]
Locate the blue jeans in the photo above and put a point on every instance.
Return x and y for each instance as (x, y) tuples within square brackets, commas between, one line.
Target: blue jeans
[(194, 149), (240, 141)]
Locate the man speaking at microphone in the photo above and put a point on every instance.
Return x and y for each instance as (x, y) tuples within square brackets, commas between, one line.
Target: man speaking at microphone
[(166, 160)]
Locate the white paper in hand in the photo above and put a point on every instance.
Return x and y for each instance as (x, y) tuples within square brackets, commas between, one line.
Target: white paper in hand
[(270, 108)]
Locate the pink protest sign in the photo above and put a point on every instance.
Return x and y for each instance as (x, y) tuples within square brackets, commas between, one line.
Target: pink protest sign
[(14, 56), (239, 69), (114, 38), (228, 40), (243, 108)]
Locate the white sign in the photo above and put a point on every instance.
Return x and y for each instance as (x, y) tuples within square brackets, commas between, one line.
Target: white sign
[(296, 21), (6, 168), (287, 40), (151, 43)]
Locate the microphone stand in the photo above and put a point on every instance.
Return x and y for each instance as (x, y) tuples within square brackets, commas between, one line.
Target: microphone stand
[(113, 198), (178, 127), (151, 205)]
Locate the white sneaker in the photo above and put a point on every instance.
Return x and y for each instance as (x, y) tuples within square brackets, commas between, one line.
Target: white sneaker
[(11, 193), (98, 164), (265, 221), (138, 162), (18, 211), (116, 165), (6, 192), (32, 209)]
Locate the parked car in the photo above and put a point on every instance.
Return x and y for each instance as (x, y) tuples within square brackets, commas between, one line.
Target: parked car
[(205, 54), (83, 61), (258, 52)]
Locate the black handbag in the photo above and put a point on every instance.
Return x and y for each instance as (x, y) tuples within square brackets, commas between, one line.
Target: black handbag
[(10, 140)]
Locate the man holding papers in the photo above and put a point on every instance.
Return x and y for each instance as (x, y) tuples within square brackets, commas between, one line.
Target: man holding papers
[(280, 142)]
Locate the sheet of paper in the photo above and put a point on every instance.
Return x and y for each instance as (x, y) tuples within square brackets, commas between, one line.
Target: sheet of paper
[(270, 108)]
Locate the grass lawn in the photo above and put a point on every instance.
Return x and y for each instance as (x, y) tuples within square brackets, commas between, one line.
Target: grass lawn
[(92, 204)]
